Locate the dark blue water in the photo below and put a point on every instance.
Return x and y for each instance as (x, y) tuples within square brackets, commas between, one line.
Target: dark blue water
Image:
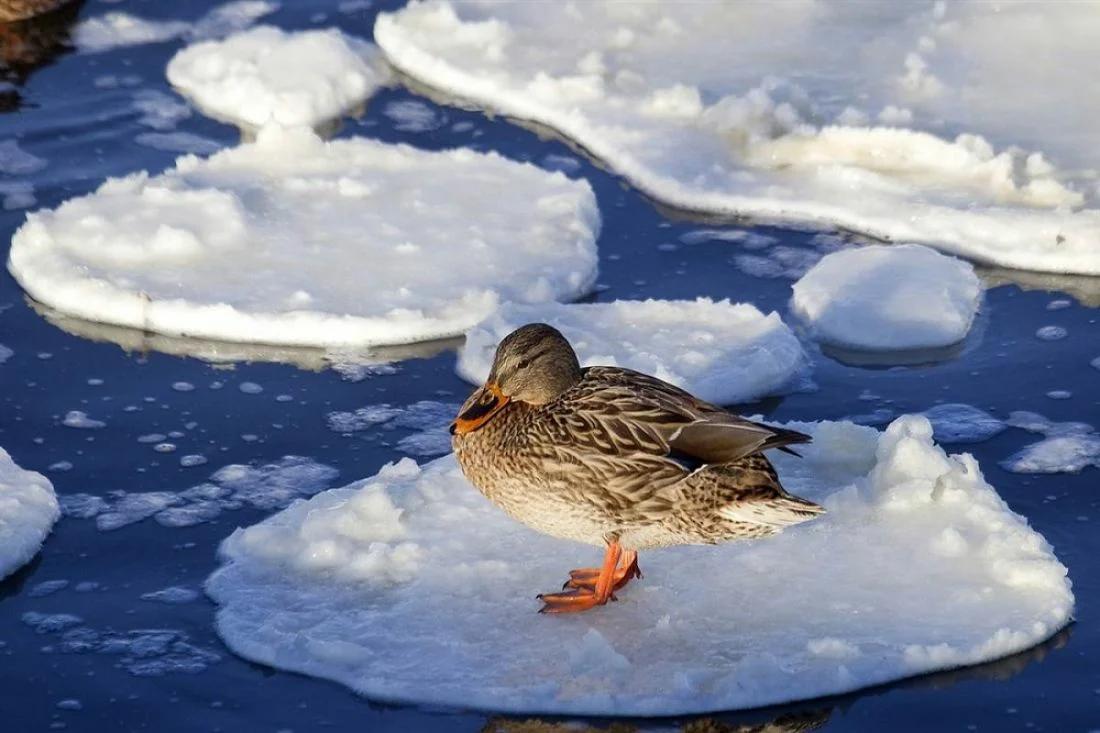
[(181, 678)]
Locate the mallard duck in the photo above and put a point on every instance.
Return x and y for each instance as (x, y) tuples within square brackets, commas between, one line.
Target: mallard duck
[(12, 11), (615, 458)]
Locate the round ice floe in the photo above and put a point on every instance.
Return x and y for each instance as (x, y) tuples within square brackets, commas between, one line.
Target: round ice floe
[(264, 75), (888, 297), (291, 240), (784, 130), (28, 509), (719, 351), (917, 566)]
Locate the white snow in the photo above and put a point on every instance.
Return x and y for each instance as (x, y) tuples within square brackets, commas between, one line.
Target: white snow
[(1068, 447), (118, 29), (410, 586), (719, 351), (28, 510), (888, 297), (265, 75), (922, 122), (292, 240)]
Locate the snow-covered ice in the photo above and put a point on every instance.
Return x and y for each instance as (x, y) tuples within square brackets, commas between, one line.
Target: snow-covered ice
[(293, 240), (352, 585), (265, 75), (119, 29), (931, 122), (887, 298), (719, 351), (1067, 447), (960, 423), (28, 510)]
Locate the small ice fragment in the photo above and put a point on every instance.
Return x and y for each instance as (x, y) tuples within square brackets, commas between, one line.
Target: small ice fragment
[(173, 594), (250, 388), (80, 420), (1051, 333)]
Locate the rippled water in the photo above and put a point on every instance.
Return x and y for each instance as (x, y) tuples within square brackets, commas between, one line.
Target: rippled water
[(105, 629)]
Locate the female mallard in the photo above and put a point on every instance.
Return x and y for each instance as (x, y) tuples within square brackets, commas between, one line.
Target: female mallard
[(615, 458)]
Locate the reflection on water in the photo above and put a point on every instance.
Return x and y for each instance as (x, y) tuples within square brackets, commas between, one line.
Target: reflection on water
[(1084, 288), (787, 718), (29, 43), (133, 340)]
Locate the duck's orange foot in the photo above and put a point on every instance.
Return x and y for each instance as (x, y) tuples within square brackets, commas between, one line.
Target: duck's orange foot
[(586, 578), (570, 601)]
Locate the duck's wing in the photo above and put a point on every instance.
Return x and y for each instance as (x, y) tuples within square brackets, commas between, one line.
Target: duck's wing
[(622, 412)]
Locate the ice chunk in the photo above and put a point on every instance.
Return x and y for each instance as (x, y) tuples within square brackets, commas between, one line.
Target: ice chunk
[(351, 584), (719, 351), (28, 510), (292, 240), (119, 29), (958, 423), (886, 298), (265, 75), (1068, 447), (972, 152)]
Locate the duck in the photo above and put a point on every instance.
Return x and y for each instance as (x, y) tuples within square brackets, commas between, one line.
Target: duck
[(615, 458)]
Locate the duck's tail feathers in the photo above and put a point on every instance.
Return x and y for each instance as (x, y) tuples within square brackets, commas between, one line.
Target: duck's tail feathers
[(777, 512)]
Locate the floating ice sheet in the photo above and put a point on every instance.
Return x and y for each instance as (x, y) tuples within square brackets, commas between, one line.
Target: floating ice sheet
[(1067, 447), (720, 351), (28, 510), (265, 75), (959, 423), (390, 585), (936, 123), (119, 29), (885, 298), (291, 240)]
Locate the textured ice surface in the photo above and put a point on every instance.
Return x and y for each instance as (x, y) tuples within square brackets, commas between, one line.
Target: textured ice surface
[(16, 161), (931, 122), (428, 420), (267, 487), (265, 75), (118, 29), (410, 586), (292, 240), (28, 510), (888, 298), (1067, 447), (719, 351), (959, 423)]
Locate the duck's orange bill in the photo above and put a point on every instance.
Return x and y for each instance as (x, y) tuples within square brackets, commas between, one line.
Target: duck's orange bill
[(488, 404)]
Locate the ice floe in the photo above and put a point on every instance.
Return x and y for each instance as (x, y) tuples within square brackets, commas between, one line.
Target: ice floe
[(888, 297), (265, 75), (960, 423), (292, 240), (720, 351), (414, 564), (1067, 447), (28, 510), (942, 124), (118, 29)]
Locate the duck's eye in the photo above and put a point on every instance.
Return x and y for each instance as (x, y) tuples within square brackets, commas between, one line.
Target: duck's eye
[(523, 364)]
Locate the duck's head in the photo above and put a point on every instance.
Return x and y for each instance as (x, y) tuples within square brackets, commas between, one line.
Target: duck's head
[(533, 364)]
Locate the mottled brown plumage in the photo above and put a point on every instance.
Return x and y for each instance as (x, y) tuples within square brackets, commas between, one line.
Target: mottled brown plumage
[(615, 458)]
